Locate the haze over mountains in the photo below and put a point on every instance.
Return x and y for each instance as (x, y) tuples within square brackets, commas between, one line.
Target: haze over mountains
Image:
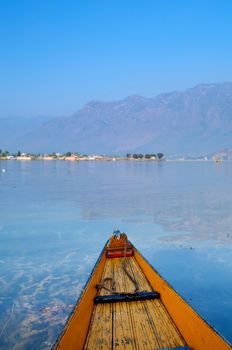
[(191, 122), (13, 129)]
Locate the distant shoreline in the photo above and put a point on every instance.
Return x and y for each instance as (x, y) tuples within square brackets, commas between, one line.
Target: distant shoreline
[(81, 159), (107, 159)]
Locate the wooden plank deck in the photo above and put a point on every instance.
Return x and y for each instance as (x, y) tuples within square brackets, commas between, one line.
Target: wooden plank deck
[(136, 325)]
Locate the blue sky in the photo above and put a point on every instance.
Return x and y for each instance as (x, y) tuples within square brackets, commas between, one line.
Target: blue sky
[(56, 55)]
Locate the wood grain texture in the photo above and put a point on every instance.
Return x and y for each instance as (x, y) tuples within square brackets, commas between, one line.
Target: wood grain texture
[(136, 325)]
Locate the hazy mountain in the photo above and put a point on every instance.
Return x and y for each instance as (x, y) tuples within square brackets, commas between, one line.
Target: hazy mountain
[(12, 130), (194, 121)]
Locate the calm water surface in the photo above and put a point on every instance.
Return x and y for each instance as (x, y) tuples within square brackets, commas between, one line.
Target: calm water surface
[(56, 216)]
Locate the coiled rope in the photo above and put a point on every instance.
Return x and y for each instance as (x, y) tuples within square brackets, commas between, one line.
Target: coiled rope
[(113, 290)]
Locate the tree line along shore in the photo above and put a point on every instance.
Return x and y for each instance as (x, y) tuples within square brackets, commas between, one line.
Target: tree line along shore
[(5, 155)]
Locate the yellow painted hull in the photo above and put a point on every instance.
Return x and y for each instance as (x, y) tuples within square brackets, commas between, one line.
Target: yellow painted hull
[(167, 323)]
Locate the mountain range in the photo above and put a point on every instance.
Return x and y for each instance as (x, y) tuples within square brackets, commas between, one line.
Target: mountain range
[(191, 122)]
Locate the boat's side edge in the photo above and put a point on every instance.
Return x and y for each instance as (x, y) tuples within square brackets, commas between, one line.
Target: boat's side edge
[(81, 314), (197, 332)]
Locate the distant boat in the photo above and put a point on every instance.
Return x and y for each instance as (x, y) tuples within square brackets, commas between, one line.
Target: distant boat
[(217, 160), (126, 304)]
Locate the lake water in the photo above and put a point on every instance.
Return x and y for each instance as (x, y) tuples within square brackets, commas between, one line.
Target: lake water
[(56, 216)]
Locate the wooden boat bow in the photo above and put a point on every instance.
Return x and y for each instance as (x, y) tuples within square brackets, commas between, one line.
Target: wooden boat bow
[(133, 308)]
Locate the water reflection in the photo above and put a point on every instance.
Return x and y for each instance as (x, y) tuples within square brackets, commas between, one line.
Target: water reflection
[(56, 216)]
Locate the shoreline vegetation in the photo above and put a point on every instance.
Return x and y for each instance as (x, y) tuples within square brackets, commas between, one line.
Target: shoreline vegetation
[(69, 156)]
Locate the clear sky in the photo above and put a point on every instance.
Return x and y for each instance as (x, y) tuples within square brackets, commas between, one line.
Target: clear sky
[(56, 55)]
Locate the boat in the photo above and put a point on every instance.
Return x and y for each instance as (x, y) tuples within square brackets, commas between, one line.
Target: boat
[(217, 159), (126, 304)]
